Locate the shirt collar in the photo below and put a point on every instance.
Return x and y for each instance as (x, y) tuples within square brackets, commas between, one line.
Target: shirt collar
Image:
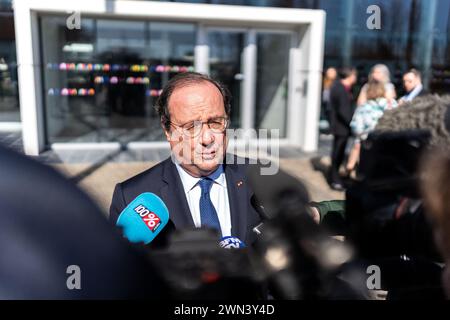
[(414, 92), (190, 182)]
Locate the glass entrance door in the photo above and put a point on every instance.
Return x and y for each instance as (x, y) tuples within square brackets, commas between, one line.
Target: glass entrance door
[(272, 74), (225, 62), (102, 81), (254, 65)]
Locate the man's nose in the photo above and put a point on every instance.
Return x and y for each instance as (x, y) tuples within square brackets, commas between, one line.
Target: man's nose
[(206, 136)]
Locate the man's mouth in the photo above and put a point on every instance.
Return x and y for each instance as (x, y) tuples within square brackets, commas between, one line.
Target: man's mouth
[(208, 155)]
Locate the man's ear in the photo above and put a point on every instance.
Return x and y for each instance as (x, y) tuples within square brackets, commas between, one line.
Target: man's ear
[(167, 133), (172, 136)]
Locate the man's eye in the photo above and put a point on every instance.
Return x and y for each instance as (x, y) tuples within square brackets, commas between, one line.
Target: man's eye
[(189, 126)]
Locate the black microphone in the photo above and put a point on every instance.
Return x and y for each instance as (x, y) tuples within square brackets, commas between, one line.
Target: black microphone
[(259, 208)]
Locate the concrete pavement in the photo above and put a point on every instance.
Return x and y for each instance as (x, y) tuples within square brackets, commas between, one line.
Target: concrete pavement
[(100, 183)]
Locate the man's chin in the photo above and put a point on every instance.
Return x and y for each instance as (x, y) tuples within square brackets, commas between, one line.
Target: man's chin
[(208, 159), (207, 164)]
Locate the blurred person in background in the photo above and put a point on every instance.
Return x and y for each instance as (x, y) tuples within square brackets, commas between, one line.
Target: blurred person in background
[(384, 216), (341, 112), (366, 118), (412, 81), (328, 80), (379, 72)]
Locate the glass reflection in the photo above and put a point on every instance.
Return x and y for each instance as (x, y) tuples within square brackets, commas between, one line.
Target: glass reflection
[(101, 81), (272, 81), (225, 49)]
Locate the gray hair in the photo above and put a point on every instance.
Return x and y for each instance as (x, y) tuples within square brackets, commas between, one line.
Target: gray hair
[(384, 70)]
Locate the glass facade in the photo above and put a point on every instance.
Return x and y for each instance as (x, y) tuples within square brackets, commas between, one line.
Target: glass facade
[(272, 69), (9, 95), (414, 33), (225, 65), (101, 81)]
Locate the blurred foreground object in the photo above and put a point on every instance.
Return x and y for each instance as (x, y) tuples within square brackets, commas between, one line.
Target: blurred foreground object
[(384, 208), (436, 191), (292, 258), (47, 225), (299, 258), (429, 112)]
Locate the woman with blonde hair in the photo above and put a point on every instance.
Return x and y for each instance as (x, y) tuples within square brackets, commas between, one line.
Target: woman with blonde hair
[(366, 117), (380, 73)]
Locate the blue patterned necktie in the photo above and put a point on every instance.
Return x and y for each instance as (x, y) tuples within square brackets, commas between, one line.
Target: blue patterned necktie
[(208, 214)]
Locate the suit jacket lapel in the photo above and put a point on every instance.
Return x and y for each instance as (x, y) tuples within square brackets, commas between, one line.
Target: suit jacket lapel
[(173, 196), (237, 195)]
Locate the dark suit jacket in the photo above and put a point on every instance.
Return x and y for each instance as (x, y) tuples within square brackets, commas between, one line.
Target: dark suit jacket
[(164, 181), (341, 109), (423, 92)]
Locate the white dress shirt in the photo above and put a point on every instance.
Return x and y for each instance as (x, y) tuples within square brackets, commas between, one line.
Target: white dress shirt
[(414, 93), (218, 195)]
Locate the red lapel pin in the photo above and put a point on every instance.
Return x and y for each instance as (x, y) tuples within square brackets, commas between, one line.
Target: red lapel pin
[(239, 183)]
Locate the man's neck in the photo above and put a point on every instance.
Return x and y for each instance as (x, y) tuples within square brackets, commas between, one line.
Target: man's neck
[(346, 83)]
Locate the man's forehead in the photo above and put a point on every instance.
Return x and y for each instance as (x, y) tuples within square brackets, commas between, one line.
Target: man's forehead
[(197, 88), (201, 96), (194, 92)]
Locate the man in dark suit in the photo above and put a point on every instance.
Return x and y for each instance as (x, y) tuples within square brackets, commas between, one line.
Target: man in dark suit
[(412, 81), (341, 112), (200, 185)]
